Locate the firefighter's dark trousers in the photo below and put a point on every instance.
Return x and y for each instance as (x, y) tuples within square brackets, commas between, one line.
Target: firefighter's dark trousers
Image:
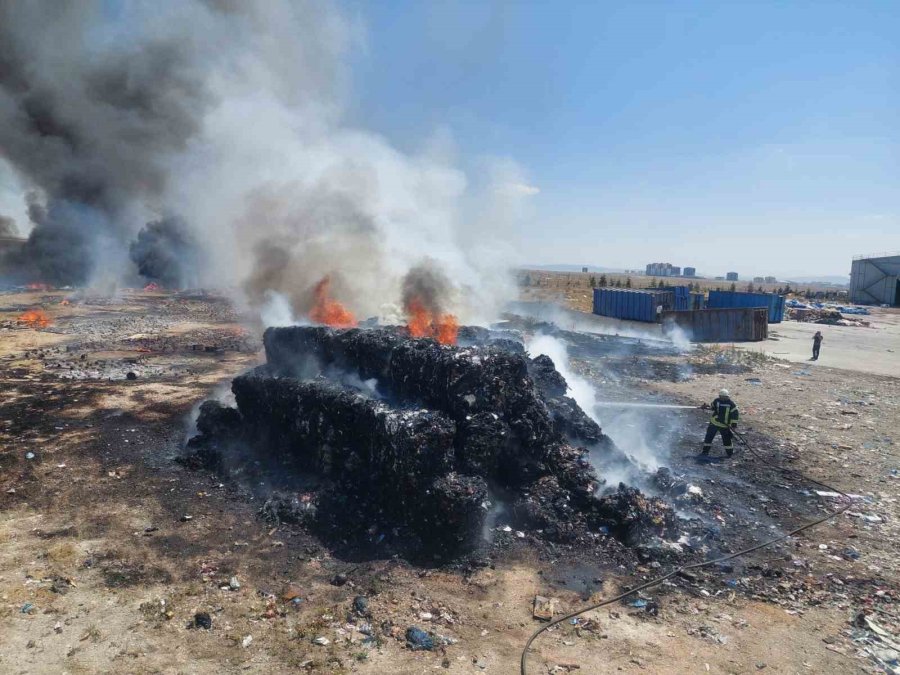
[(727, 439)]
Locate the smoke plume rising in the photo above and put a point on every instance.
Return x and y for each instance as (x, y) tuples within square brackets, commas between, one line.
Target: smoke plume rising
[(165, 252), (231, 116), (8, 227), (427, 285)]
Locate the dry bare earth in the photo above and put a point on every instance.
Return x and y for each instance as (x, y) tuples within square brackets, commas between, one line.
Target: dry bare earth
[(101, 570), (576, 290)]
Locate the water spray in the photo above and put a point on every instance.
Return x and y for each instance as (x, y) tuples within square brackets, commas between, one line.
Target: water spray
[(641, 404)]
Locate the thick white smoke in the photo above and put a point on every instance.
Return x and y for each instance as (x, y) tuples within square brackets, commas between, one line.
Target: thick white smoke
[(631, 430), (579, 389), (229, 115)]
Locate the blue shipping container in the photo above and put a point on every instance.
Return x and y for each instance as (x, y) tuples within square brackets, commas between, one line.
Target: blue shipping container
[(698, 301), (682, 298), (772, 302), (631, 304)]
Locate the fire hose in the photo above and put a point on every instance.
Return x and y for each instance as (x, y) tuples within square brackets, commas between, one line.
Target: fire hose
[(706, 563)]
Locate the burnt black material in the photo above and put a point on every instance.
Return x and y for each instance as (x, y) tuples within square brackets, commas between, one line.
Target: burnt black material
[(409, 463)]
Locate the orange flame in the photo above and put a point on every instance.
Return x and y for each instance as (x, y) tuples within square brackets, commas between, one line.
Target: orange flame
[(421, 323), (65, 302), (329, 311), (153, 286), (446, 328), (34, 318), (39, 286)]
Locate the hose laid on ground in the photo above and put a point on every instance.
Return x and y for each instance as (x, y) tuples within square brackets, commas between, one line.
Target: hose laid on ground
[(705, 563)]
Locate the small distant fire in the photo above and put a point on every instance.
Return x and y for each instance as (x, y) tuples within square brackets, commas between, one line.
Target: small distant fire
[(64, 302), (39, 286), (329, 311), (423, 323), (153, 286), (34, 318)]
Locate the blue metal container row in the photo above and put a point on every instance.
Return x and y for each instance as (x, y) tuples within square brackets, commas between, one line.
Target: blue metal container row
[(772, 302), (733, 324), (682, 298), (632, 304)]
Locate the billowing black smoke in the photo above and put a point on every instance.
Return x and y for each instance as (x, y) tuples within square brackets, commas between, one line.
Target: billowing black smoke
[(91, 127), (232, 115), (166, 253), (59, 247), (427, 285)]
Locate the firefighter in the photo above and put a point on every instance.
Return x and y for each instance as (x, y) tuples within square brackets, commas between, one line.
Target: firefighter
[(724, 419)]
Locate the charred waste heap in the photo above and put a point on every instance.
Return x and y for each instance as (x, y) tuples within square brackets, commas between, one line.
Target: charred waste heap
[(406, 443)]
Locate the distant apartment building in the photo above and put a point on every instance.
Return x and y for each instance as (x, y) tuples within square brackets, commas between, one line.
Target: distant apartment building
[(662, 270), (731, 276), (771, 280), (690, 271), (759, 280)]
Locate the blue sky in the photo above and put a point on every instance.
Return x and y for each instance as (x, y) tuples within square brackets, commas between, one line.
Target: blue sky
[(760, 137)]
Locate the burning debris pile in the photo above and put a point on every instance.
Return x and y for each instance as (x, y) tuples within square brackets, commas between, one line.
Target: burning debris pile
[(407, 442), (34, 318)]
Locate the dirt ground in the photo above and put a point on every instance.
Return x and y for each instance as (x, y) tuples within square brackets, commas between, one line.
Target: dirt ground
[(874, 349), (109, 548)]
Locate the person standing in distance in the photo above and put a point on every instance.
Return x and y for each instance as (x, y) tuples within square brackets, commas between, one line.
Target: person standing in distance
[(817, 345)]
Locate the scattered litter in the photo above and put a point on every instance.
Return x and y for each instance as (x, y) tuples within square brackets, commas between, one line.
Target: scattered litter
[(836, 495), (291, 593), (29, 455), (544, 608), (203, 620), (361, 605), (322, 641), (851, 553), (417, 639), (246, 641)]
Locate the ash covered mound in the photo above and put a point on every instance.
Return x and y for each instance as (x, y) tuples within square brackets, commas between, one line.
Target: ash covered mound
[(381, 440)]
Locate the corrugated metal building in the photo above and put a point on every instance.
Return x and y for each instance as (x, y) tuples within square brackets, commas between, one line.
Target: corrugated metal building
[(875, 280)]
